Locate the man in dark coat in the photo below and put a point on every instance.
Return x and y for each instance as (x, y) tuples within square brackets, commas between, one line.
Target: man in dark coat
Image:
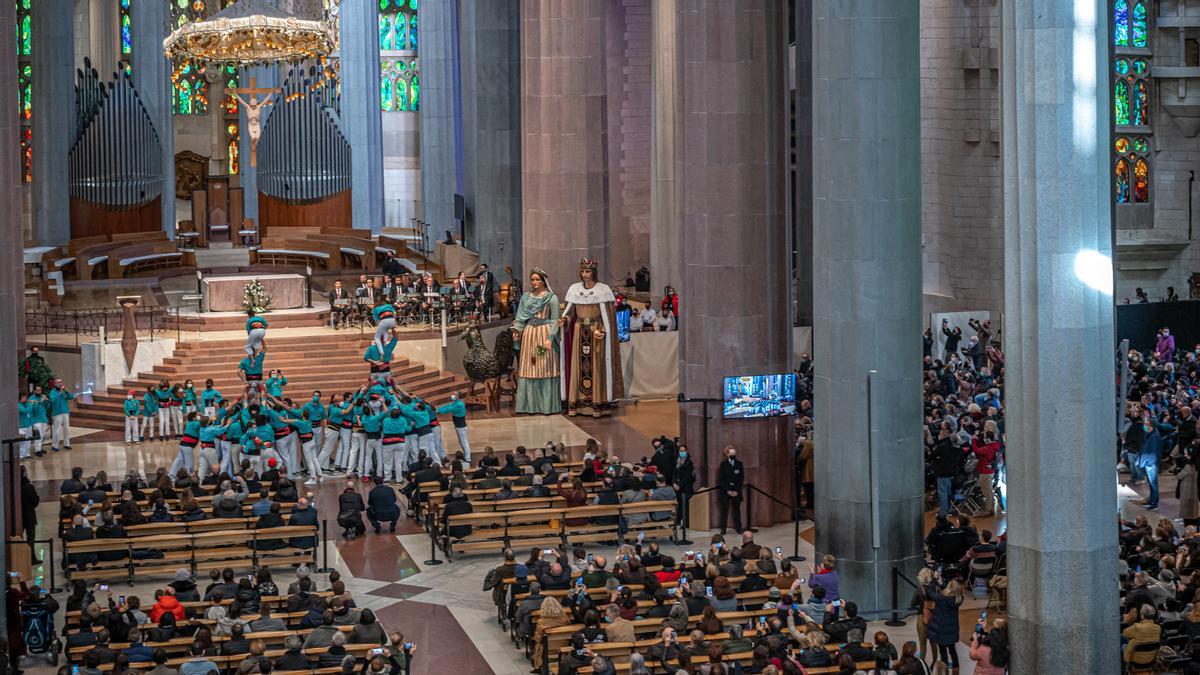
[(730, 477), (382, 506), (304, 514), (350, 508)]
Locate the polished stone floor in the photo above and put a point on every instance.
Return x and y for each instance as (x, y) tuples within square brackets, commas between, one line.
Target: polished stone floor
[(440, 607)]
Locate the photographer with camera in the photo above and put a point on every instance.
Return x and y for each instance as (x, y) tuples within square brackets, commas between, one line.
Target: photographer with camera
[(986, 448)]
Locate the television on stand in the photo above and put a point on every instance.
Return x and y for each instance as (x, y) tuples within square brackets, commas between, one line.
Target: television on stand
[(749, 396)]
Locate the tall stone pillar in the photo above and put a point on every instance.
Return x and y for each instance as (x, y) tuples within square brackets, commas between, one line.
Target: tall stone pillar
[(730, 180), (867, 292), (1059, 337), (440, 116), (564, 136), (802, 183), (152, 77), (665, 257), (104, 29), (263, 77), (490, 58), (12, 293), (53, 119), (362, 121)]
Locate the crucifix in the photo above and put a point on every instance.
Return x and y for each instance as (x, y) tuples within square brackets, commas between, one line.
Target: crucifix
[(254, 108)]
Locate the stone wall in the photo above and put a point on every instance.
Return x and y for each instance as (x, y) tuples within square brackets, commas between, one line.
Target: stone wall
[(633, 134), (962, 224)]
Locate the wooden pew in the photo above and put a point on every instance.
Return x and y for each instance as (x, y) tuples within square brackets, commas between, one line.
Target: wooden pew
[(278, 251)]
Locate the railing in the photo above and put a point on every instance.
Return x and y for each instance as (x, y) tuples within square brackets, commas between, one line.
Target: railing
[(155, 321)]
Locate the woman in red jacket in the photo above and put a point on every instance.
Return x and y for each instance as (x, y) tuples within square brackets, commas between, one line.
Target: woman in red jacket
[(986, 448), (167, 603)]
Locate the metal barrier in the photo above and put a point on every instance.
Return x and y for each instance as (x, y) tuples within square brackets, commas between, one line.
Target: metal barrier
[(898, 576), (100, 322)]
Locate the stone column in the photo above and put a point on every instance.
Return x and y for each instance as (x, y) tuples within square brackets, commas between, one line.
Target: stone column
[(665, 258), (12, 294), (362, 120), (440, 116), (802, 185), (564, 136), (262, 77), (490, 57), (734, 239), (867, 291), (53, 119), (104, 29), (152, 77), (1059, 337)]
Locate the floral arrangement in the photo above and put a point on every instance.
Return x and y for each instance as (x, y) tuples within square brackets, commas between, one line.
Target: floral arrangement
[(255, 297)]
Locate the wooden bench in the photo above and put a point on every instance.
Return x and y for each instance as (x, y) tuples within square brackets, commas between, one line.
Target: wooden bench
[(280, 601), (131, 259), (87, 257), (296, 253), (498, 530), (220, 547)]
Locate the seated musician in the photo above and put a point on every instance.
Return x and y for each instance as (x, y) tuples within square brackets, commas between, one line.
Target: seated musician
[(388, 289), (339, 305), (461, 296), (406, 283), (428, 285), (364, 297)]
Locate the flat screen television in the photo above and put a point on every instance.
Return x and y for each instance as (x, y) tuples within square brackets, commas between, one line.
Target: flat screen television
[(623, 324), (760, 395)]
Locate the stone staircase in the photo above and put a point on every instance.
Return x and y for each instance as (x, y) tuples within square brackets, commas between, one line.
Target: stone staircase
[(331, 363)]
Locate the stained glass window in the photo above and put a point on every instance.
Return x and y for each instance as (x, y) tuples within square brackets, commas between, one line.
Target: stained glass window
[(126, 29), (25, 86), (1137, 25), (1141, 104), (400, 85), (232, 137), (1131, 170), (1121, 23), (1121, 181), (1121, 102), (397, 25), (189, 86)]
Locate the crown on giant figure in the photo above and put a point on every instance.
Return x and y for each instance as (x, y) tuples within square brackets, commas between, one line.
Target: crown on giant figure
[(588, 264)]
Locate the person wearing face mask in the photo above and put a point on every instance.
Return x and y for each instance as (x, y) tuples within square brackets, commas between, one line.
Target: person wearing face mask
[(730, 477), (394, 455), (683, 479), (372, 424), (316, 415), (132, 409), (1148, 458), (1164, 347)]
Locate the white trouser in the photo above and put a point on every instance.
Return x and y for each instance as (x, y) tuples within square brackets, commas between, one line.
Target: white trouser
[(310, 459), (382, 329), (177, 418), (208, 457), (254, 340), (228, 457), (256, 462), (461, 432), (274, 452), (328, 440), (131, 429), (42, 429), (26, 432), (345, 439), (369, 458), (287, 448), (425, 442), (164, 422), (148, 426), (62, 431), (410, 442), (437, 443), (399, 460), (358, 439), (185, 459), (319, 436)]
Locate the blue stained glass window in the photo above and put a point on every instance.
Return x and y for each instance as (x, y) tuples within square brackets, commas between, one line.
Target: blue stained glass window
[(386, 99), (1121, 23), (412, 32), (385, 32)]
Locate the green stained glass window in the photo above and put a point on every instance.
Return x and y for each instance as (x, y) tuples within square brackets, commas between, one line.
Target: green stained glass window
[(1122, 66), (1137, 25), (386, 41), (1140, 67), (400, 32), (1121, 102), (386, 93), (412, 4), (25, 85), (25, 35), (412, 32), (415, 93), (1140, 145)]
